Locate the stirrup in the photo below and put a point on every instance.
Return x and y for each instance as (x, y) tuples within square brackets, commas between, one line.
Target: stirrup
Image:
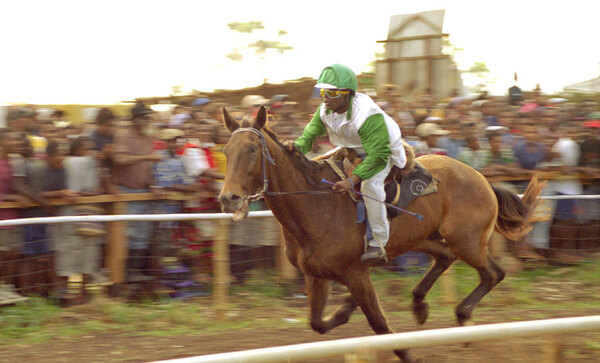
[(373, 255)]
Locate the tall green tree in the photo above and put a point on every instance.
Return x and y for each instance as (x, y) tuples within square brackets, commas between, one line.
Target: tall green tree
[(259, 47)]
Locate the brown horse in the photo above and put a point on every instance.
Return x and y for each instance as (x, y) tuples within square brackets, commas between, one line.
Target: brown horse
[(323, 240)]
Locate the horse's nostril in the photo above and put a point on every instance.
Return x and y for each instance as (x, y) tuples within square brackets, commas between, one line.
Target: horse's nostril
[(235, 197)]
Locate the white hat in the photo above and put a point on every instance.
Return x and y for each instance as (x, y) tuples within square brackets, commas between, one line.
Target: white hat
[(61, 124), (253, 100), (429, 128), (496, 129), (169, 134)]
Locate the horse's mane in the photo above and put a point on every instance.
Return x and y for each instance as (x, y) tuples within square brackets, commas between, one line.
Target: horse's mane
[(311, 169)]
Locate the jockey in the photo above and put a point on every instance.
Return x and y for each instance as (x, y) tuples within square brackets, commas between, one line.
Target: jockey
[(353, 120)]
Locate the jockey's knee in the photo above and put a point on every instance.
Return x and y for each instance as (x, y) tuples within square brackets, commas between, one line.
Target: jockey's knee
[(370, 185)]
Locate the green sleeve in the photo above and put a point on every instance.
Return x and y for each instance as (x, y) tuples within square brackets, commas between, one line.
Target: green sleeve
[(312, 131), (375, 139)]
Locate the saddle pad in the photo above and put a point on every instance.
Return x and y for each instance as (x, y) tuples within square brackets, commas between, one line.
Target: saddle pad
[(419, 182)]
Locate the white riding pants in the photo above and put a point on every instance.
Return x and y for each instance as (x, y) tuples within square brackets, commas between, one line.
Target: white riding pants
[(376, 212)]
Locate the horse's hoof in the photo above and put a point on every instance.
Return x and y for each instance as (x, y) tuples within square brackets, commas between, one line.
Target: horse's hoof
[(406, 357), (420, 311), (319, 328), (464, 320), (467, 322)]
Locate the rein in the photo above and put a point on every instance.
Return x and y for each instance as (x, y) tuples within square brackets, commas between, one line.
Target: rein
[(266, 157)]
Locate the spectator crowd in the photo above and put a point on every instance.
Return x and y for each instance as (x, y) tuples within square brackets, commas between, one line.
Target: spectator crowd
[(46, 158)]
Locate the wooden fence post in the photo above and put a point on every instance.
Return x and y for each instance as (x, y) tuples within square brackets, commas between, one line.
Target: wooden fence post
[(221, 267), (117, 248), (553, 350)]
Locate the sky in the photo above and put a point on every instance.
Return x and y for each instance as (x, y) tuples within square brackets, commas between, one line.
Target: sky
[(109, 51)]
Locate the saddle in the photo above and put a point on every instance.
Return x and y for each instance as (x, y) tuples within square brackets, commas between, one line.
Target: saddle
[(402, 185)]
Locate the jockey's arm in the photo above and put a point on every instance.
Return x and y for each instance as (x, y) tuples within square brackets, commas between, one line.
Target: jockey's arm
[(312, 131), (375, 139)]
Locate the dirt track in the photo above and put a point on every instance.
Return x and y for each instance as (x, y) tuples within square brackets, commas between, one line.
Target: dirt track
[(126, 348)]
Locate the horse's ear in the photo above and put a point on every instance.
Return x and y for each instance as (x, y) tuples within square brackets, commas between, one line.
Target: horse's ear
[(230, 124), (261, 118)]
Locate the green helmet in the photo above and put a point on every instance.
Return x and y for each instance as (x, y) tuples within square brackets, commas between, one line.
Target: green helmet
[(337, 76)]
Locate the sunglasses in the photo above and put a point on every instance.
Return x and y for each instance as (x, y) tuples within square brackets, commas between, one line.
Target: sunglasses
[(333, 93)]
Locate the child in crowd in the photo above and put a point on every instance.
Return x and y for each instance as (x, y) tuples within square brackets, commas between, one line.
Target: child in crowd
[(55, 187), (10, 237), (82, 174), (37, 270)]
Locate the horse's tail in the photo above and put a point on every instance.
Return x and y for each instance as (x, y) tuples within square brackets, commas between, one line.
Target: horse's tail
[(515, 214)]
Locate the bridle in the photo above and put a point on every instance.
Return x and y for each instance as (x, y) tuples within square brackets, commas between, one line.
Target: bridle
[(266, 157)]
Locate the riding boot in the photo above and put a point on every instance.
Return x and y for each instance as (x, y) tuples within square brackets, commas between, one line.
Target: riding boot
[(373, 254)]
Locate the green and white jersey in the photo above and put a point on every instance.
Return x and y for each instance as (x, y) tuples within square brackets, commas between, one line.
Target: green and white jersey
[(365, 127)]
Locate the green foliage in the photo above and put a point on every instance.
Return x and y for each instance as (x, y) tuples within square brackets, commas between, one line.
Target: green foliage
[(261, 46), (263, 301), (479, 68), (247, 27), (235, 56), (593, 345), (449, 47), (19, 320)]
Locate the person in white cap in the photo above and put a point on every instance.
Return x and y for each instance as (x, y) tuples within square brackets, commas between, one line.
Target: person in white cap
[(353, 120), (429, 133)]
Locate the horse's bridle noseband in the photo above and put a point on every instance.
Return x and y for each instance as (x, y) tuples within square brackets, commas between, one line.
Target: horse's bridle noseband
[(266, 156)]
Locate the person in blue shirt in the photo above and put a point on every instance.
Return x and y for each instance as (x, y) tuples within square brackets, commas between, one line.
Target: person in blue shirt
[(528, 151)]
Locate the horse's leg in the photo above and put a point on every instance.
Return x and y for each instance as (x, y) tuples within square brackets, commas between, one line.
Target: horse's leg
[(443, 259), (364, 295), (490, 274), (318, 291)]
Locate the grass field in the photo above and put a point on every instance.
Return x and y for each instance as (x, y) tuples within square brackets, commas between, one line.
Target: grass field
[(263, 303)]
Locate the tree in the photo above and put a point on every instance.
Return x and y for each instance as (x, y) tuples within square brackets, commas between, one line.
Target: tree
[(248, 27), (482, 76), (259, 47), (449, 48), (479, 69)]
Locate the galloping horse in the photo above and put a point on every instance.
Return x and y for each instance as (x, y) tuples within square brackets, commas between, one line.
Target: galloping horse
[(323, 240)]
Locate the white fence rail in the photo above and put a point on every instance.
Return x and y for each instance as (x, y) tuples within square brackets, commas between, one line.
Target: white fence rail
[(182, 217), (423, 338), (129, 218)]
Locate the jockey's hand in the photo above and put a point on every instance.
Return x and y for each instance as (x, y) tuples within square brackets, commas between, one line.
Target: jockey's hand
[(289, 145), (347, 184), (343, 186)]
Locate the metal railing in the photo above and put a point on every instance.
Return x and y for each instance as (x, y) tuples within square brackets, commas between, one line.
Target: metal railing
[(423, 338)]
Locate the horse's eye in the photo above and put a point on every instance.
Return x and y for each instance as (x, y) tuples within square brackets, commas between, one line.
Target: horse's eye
[(252, 148)]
